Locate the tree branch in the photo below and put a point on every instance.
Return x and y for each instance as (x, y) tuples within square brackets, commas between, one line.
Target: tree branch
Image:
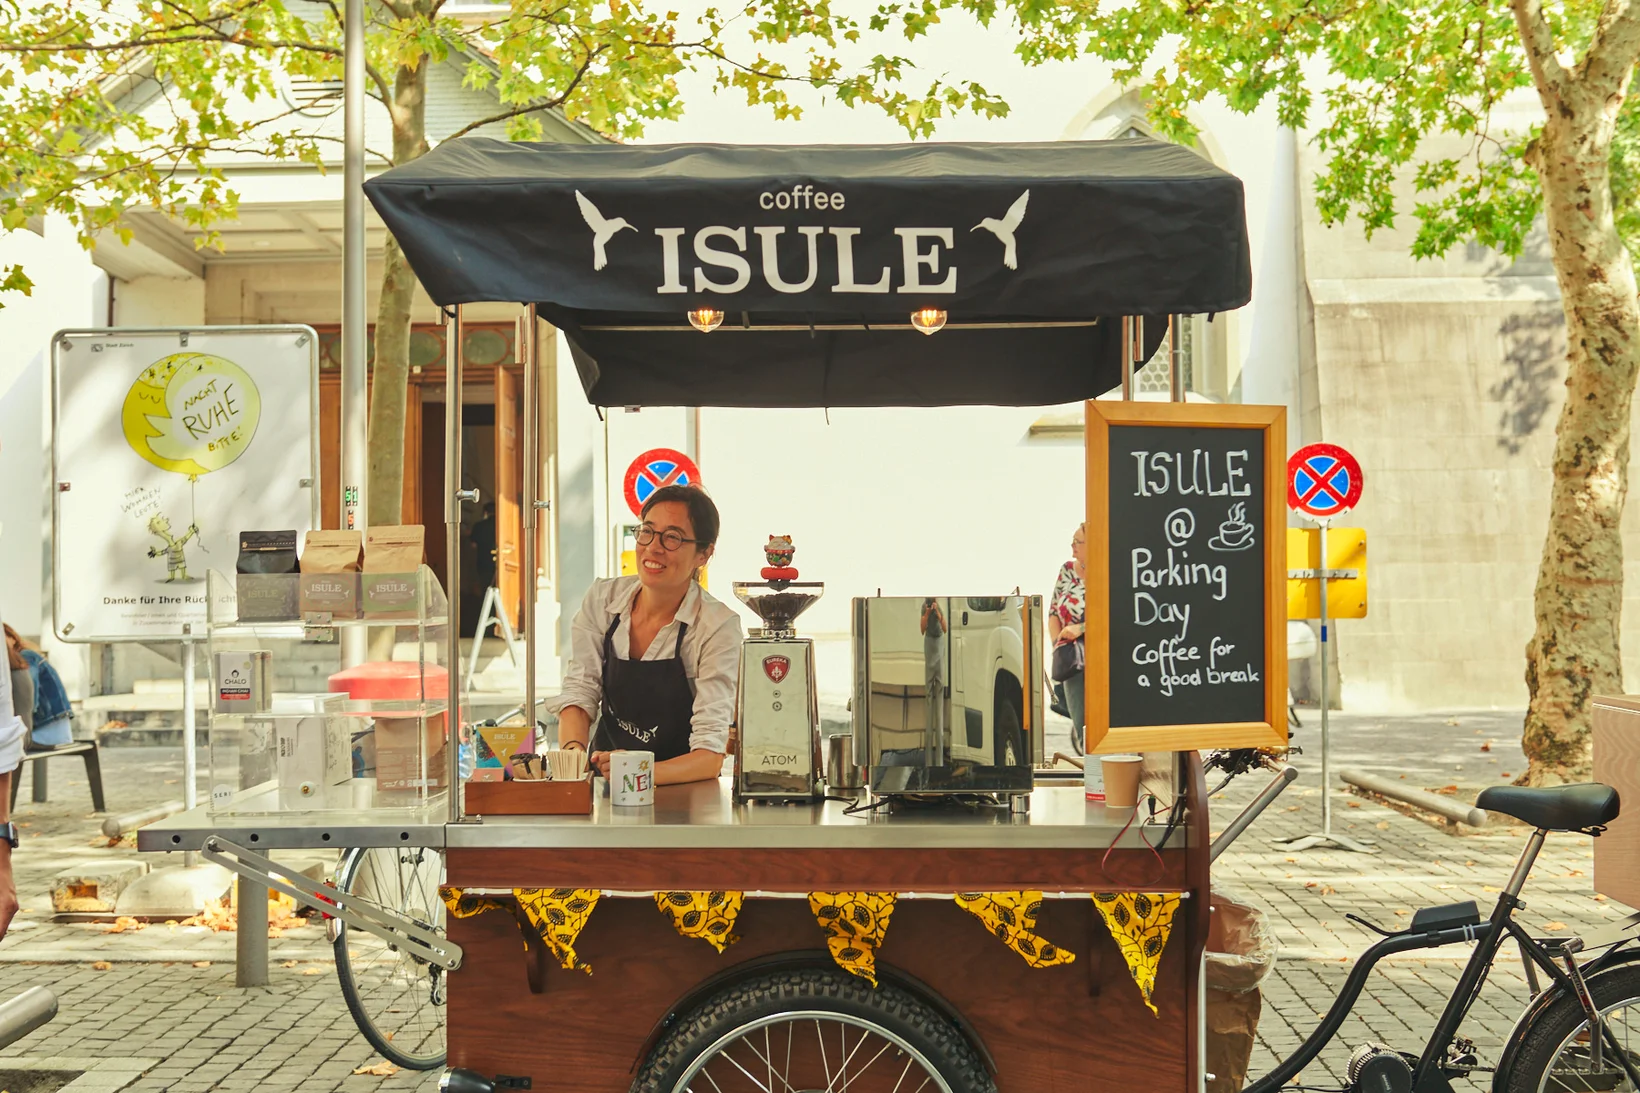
[(1539, 43), (1613, 50), (532, 108)]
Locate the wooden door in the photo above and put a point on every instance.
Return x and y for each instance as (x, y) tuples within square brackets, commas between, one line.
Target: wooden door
[(509, 468), (330, 453)]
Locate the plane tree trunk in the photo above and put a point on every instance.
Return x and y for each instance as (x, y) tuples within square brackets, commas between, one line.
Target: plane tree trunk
[(1574, 652)]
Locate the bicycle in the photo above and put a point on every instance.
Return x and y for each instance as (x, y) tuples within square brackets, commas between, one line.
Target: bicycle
[(1577, 1034), (397, 999)]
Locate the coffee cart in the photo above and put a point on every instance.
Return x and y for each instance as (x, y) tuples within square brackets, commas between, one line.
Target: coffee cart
[(952, 944)]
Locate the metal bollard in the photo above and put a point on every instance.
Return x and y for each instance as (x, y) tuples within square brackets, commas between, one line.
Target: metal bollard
[(251, 941), (24, 1013), (115, 826)]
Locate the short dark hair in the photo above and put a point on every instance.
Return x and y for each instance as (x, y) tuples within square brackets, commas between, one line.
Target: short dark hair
[(703, 514)]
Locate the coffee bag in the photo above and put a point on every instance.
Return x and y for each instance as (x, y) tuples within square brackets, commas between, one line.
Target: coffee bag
[(266, 576), (391, 583), (330, 574)]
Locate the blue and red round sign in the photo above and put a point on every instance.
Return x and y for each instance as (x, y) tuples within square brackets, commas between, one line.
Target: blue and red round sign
[(1323, 481), (656, 468)]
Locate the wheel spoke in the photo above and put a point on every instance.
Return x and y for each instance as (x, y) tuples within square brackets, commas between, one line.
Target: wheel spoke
[(749, 1075), (772, 1075), (820, 1037)]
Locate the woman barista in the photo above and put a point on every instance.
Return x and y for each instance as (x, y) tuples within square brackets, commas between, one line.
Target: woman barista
[(654, 659)]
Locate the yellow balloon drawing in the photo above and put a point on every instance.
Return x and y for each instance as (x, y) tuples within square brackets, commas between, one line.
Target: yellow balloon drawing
[(191, 413)]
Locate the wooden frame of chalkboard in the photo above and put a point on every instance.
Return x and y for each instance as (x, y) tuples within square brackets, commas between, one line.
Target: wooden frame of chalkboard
[(1195, 655)]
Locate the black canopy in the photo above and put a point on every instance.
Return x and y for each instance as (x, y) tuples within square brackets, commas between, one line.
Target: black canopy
[(818, 255)]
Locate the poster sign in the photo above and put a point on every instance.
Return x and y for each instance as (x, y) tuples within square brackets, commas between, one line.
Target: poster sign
[(1186, 577), (166, 444)]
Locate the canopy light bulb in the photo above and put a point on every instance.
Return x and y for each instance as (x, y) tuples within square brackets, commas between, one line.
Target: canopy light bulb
[(929, 320), (706, 319)]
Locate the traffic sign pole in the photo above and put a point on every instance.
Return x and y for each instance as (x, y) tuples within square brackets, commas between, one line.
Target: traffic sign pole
[(1340, 500)]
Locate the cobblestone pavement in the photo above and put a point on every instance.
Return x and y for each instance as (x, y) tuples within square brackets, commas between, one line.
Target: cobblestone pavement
[(165, 1015)]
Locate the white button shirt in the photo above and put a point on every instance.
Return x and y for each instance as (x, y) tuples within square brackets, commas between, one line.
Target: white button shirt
[(710, 655), (11, 726)]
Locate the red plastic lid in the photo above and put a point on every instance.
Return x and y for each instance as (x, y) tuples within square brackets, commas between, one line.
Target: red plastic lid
[(390, 679)]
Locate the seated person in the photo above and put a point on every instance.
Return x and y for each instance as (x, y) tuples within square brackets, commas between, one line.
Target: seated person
[(654, 658)]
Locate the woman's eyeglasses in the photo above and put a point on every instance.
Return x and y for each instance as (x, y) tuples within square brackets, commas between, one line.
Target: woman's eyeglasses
[(671, 538)]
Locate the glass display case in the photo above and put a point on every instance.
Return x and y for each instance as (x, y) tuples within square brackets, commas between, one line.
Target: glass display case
[(291, 728)]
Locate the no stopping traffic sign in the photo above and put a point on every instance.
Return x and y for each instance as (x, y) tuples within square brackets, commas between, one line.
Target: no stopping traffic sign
[(1323, 481), (656, 468)]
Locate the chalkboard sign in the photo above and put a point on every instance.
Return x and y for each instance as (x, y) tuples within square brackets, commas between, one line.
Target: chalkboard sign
[(1186, 576)]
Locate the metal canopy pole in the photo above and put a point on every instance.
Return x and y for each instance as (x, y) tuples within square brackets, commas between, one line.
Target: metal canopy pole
[(454, 495), (1127, 357), (1175, 358), (355, 378), (527, 335)]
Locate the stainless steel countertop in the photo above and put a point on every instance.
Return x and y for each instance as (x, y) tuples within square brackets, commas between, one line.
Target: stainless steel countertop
[(702, 814)]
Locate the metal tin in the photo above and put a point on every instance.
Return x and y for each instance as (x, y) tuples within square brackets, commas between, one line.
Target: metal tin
[(842, 772)]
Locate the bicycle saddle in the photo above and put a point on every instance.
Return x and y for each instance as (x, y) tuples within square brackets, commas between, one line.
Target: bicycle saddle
[(1554, 808)]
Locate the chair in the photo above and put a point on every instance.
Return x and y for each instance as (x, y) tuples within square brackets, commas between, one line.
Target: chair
[(87, 750)]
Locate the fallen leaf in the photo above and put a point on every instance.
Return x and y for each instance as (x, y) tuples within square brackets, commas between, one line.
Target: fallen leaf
[(1291, 859), (383, 1069), (1452, 721), (1403, 912), (1506, 774), (1383, 825), (1554, 926), (1489, 888), (101, 966), (1575, 873), (1309, 884), (1353, 804), (1447, 791), (1329, 890), (287, 963), (170, 781), (1403, 777), (1487, 746), (313, 971), (1444, 887), (124, 924), (1469, 863), (202, 963), (1292, 808), (1598, 898), (172, 922)]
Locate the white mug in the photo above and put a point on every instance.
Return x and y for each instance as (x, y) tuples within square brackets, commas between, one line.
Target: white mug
[(631, 778)]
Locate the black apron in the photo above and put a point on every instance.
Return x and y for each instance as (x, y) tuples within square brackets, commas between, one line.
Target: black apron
[(647, 704)]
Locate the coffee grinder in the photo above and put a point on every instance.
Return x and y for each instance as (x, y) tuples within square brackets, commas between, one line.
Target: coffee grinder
[(777, 751)]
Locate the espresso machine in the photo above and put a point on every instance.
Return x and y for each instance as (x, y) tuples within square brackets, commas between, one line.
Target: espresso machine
[(777, 751)]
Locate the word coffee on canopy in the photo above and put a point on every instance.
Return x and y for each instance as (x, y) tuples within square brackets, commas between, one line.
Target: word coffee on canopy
[(1186, 576)]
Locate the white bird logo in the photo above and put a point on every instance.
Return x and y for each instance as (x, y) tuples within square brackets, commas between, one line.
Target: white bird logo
[(1004, 229), (603, 230)]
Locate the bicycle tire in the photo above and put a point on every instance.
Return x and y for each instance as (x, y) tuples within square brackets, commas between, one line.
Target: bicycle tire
[(904, 1022), (372, 1007), (1554, 1032)]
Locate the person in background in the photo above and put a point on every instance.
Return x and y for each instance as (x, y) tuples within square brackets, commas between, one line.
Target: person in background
[(1066, 615), (11, 754), (22, 684), (51, 724)]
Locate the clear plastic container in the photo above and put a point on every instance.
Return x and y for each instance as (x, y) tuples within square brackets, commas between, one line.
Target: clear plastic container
[(290, 729)]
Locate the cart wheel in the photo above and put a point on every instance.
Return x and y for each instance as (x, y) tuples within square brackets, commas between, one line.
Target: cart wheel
[(812, 1030), (396, 1000)]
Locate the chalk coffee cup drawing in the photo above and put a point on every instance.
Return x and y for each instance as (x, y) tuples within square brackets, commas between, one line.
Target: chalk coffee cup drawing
[(631, 778), (1121, 779)]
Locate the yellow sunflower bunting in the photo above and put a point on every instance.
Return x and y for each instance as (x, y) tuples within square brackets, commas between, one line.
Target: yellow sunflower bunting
[(461, 905), (855, 923), (1140, 922), (1011, 916), (709, 916), (559, 914)]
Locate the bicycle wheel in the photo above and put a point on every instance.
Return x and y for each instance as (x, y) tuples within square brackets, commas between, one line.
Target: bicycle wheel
[(397, 1000), (813, 1030), (1556, 1055)]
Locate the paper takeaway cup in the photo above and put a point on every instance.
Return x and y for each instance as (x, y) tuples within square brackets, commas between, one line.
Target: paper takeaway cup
[(1121, 779), (632, 779)]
